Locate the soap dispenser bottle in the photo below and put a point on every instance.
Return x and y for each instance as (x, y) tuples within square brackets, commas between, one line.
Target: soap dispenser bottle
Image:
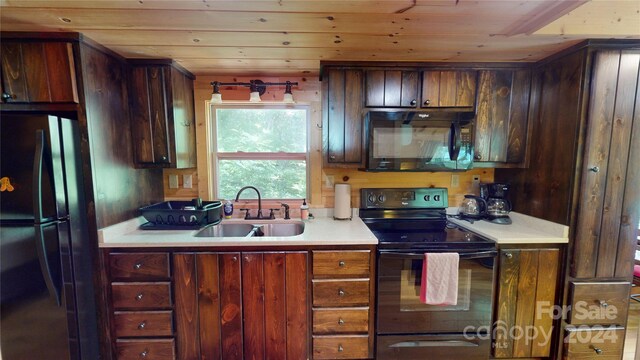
[(304, 210)]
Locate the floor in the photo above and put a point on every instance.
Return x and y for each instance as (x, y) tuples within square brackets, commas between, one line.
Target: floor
[(631, 339)]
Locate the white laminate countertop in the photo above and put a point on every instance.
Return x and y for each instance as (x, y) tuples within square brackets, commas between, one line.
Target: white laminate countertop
[(318, 231), (524, 230)]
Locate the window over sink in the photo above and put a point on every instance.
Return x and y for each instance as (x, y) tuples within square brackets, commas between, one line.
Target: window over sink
[(260, 145)]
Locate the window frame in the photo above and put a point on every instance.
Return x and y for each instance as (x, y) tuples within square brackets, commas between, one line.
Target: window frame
[(215, 155)]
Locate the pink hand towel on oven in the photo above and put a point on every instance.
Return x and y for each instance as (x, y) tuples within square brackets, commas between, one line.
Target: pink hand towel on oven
[(440, 279)]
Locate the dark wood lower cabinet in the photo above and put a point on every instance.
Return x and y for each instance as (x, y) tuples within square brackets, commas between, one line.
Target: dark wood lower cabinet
[(250, 305)]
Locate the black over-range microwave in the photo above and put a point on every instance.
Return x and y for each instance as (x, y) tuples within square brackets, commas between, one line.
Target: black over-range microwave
[(419, 141)]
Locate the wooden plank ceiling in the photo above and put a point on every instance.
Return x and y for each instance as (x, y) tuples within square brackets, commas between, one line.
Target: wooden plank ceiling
[(290, 37)]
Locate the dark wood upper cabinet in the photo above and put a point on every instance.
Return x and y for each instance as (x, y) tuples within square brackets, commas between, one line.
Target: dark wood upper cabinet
[(162, 116), (342, 125), (501, 125), (391, 88), (38, 72), (450, 88)]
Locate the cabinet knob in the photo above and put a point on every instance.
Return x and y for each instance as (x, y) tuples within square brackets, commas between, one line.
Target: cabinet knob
[(139, 297), (6, 96), (597, 350), (144, 353), (142, 325), (477, 156), (413, 102), (341, 263), (340, 321), (137, 266), (508, 255), (340, 348), (427, 102), (603, 303), (594, 169), (164, 157), (341, 292), (235, 258)]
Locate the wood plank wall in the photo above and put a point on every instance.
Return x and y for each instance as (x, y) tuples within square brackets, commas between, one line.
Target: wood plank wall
[(321, 193)]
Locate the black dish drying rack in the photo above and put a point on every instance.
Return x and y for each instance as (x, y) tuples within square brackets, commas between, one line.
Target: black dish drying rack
[(186, 215)]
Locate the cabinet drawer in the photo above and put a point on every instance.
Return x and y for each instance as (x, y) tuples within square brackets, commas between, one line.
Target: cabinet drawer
[(599, 303), (143, 323), (141, 295), (341, 347), (594, 343), (332, 320), (341, 292), (341, 264), (163, 349), (151, 266)]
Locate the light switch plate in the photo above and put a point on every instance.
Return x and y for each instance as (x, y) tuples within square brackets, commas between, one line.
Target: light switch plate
[(187, 181), (455, 181), (173, 181)]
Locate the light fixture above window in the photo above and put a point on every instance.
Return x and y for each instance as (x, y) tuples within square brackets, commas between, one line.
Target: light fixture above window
[(257, 88)]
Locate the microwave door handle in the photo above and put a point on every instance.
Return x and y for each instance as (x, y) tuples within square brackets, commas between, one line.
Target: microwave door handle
[(464, 256), (433, 343), (454, 141)]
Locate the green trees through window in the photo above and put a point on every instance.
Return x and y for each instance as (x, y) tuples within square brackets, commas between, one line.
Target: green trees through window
[(265, 147)]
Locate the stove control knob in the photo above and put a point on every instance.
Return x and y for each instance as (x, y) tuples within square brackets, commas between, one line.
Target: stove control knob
[(427, 198), (468, 236), (371, 198), (381, 198)]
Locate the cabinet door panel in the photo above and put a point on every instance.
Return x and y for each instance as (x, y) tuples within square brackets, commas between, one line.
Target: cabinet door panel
[(465, 88), (297, 306), (141, 126), (184, 282), (158, 113), (507, 297), (617, 166), (353, 117), (448, 89), (430, 88), (336, 117), (518, 116), (253, 305), (231, 306), (593, 185), (275, 312), (392, 88), (209, 305), (545, 293), (61, 72), (35, 71), (183, 120), (409, 96), (375, 89), (13, 79)]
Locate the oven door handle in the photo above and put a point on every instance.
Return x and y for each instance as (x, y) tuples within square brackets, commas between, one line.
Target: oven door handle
[(465, 256), (434, 343)]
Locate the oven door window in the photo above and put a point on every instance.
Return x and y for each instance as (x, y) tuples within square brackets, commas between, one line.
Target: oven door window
[(399, 306)]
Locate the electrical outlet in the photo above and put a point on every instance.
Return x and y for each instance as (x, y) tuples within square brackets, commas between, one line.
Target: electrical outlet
[(173, 181), (187, 181), (475, 184), (455, 181)]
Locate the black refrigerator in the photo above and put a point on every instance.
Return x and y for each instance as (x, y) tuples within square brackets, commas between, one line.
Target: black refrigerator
[(47, 299)]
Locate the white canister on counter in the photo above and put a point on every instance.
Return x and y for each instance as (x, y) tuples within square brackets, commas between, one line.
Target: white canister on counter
[(342, 203)]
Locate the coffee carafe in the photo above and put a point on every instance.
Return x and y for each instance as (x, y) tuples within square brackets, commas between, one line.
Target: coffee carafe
[(498, 206)]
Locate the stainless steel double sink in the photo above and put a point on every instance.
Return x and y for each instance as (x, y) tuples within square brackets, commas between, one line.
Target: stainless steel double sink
[(249, 228)]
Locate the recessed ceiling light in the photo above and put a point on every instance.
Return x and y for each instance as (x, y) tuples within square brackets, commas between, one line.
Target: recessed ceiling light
[(67, 20)]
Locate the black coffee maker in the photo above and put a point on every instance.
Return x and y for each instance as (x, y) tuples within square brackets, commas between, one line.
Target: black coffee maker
[(498, 206)]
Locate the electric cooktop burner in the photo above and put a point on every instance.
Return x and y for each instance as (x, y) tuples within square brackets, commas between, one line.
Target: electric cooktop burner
[(415, 219)]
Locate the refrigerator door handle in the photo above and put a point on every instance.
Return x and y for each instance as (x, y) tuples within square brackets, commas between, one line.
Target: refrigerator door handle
[(38, 160), (45, 268)]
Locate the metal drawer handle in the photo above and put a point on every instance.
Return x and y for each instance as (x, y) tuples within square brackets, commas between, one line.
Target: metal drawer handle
[(137, 266), (142, 325), (340, 321), (341, 263), (139, 297), (340, 292), (144, 353), (603, 303), (594, 169), (597, 350), (340, 348)]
